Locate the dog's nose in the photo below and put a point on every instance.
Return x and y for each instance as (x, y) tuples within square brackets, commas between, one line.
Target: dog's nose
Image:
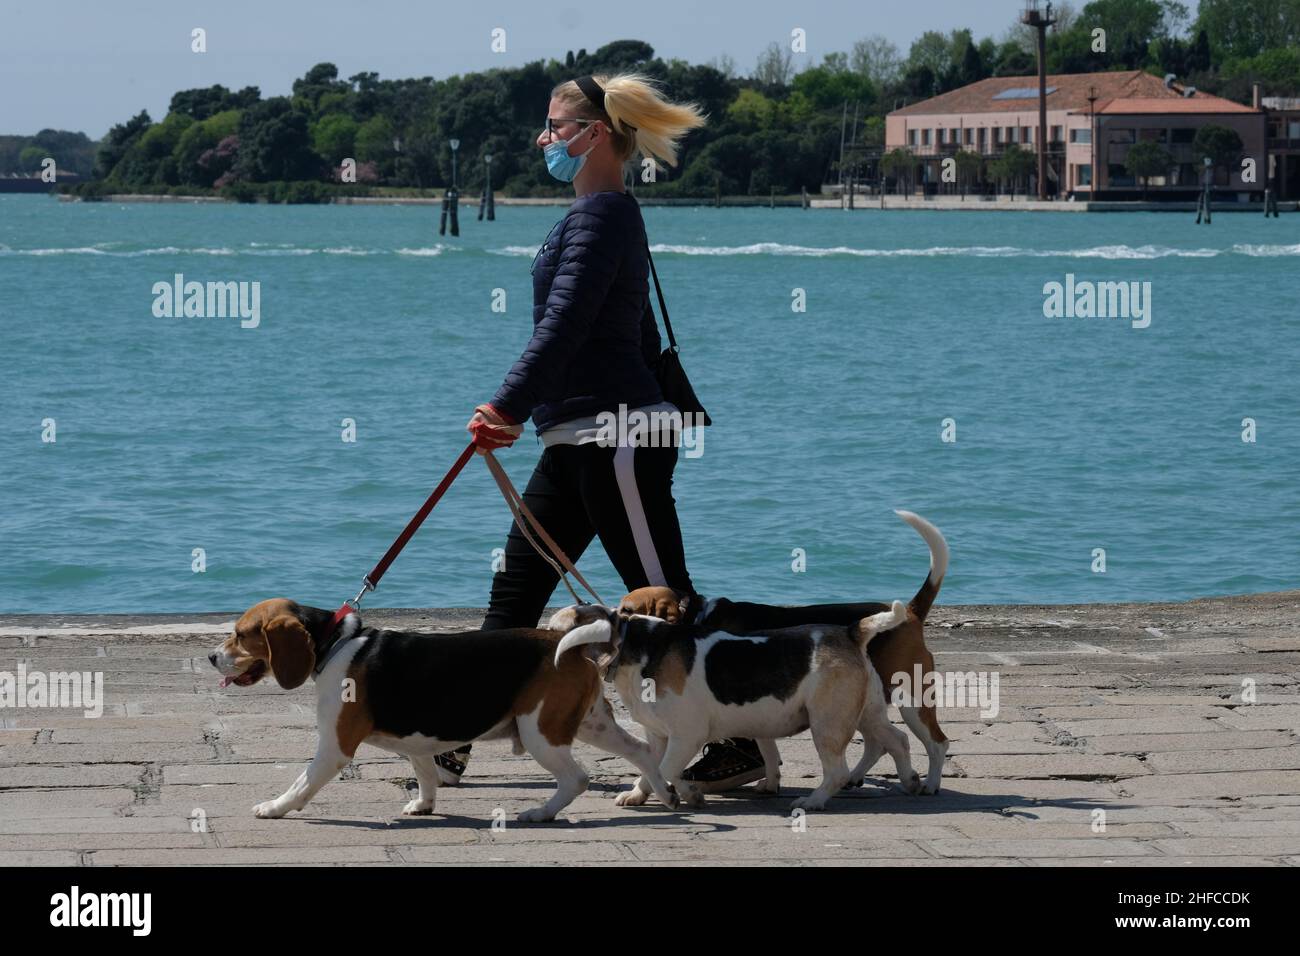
[(212, 658)]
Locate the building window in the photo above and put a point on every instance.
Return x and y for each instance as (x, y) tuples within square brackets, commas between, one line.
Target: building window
[(1154, 136), (1293, 129), (911, 137), (925, 137), (968, 134), (1122, 136), (997, 135), (1085, 175), (1056, 134), (1081, 136), (1013, 134), (983, 139), (1026, 134), (1117, 175), (1186, 134)]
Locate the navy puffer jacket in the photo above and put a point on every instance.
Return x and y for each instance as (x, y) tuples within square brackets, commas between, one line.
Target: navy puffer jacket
[(595, 343)]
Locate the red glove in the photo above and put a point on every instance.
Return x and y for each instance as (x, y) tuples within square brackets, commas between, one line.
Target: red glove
[(492, 429)]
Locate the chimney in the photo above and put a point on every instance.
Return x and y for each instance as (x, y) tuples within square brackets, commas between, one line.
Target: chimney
[(1169, 80), (1254, 96), (1189, 92)]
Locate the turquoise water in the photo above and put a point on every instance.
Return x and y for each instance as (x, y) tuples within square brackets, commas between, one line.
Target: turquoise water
[(1072, 434)]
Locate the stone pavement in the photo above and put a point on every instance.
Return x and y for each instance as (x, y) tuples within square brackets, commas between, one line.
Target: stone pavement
[(1134, 710)]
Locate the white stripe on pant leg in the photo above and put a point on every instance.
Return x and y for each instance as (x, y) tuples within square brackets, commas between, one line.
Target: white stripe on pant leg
[(625, 474)]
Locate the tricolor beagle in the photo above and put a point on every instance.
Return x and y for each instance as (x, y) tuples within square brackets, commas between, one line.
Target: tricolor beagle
[(900, 651), (687, 685), (420, 695)]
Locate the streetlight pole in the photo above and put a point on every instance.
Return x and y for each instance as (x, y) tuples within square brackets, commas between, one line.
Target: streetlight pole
[(1092, 140), (1040, 21)]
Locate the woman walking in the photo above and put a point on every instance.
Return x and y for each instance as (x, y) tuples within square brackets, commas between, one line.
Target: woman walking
[(594, 349)]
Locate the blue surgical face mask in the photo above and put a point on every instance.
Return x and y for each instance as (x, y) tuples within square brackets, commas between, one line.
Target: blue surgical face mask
[(560, 164)]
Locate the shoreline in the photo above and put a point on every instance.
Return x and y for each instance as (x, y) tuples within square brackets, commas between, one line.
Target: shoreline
[(1266, 609), (861, 203)]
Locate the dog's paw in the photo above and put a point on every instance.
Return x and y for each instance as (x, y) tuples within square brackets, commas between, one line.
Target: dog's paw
[(536, 815), (690, 796), (630, 798), (270, 810), (769, 785), (929, 790), (855, 782), (913, 784), (418, 808)]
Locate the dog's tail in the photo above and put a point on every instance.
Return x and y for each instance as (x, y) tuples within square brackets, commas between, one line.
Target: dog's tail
[(869, 627), (924, 598)]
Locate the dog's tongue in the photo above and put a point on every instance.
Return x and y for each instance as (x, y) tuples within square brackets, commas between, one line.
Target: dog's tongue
[(225, 681)]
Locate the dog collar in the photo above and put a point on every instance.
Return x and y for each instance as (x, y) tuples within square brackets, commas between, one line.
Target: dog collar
[(339, 636)]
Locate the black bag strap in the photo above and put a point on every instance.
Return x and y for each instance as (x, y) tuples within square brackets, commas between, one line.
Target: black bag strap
[(663, 307)]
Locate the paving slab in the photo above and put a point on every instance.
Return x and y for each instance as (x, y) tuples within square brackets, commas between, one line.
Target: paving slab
[(1122, 738)]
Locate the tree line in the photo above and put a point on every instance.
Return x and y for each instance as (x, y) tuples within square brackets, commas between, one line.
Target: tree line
[(777, 128)]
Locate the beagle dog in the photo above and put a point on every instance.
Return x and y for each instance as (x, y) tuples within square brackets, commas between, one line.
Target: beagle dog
[(688, 684), (900, 651), (420, 695)]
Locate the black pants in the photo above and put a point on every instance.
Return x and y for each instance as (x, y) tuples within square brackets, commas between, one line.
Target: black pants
[(623, 495)]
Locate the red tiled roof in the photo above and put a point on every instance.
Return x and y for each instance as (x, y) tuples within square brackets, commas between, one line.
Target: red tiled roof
[(1071, 93), (1197, 103)]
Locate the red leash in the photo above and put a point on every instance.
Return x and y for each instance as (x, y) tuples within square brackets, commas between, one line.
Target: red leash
[(371, 580)]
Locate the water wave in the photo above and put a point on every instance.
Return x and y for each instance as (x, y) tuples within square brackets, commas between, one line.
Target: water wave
[(981, 252), (254, 249), (1114, 252)]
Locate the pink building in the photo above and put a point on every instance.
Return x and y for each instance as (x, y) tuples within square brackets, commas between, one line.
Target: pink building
[(1115, 110)]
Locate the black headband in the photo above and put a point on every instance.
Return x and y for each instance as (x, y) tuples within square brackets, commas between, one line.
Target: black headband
[(593, 91), (595, 94)]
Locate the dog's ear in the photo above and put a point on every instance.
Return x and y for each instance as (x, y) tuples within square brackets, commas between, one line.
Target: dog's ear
[(290, 649)]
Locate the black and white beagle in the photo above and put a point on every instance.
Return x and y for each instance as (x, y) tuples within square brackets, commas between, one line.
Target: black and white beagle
[(898, 654), (687, 685), (420, 695)]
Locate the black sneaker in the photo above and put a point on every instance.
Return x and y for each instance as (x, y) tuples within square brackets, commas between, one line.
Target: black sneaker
[(451, 765), (725, 765)]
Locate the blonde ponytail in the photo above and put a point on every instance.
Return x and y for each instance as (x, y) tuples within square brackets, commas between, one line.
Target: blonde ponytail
[(642, 120)]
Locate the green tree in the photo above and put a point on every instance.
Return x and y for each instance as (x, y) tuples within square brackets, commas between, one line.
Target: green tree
[(119, 139), (209, 101), (899, 164), (970, 166), (971, 69), (877, 59), (1246, 28), (321, 79), (30, 159), (197, 140), (1146, 160), (334, 137), (274, 143), (1221, 145), (150, 160), (932, 50), (751, 110), (1013, 166), (826, 88)]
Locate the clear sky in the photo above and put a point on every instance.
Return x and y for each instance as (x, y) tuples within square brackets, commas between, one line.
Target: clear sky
[(87, 64)]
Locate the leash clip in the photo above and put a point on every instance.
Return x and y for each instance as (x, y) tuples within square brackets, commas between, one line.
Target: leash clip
[(366, 585)]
